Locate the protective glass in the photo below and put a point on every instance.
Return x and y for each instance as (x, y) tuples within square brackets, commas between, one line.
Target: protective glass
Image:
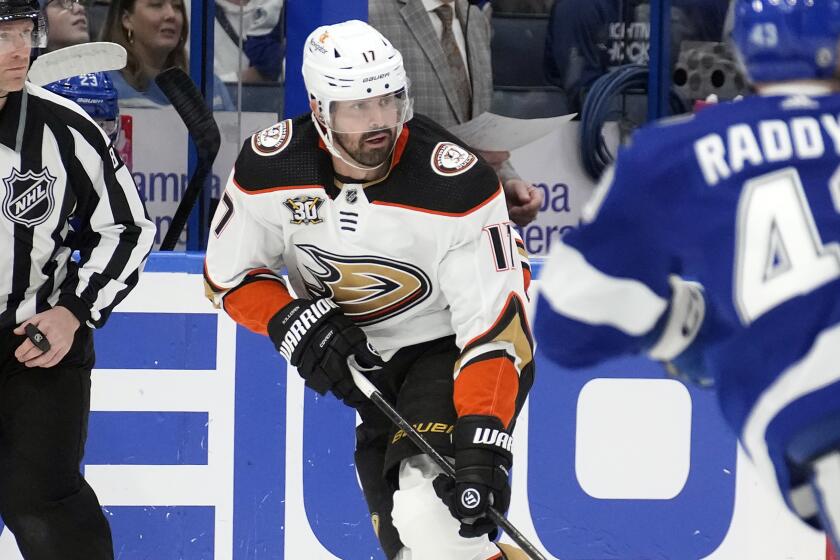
[(368, 115), (12, 39), (111, 127)]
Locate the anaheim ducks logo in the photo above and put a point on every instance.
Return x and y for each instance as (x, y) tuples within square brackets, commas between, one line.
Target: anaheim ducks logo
[(451, 159), (369, 289), (273, 139)]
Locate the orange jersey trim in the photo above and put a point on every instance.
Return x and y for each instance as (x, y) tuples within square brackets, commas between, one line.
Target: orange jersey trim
[(254, 304), (488, 388), (437, 212), (218, 288), (399, 148), (275, 189)]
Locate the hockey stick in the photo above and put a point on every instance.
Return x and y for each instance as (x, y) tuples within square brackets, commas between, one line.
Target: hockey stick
[(76, 60), (204, 132), (373, 394)]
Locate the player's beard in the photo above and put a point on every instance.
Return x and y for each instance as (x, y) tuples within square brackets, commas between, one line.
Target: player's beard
[(368, 156)]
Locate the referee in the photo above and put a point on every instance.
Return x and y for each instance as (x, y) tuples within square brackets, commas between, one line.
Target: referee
[(62, 188)]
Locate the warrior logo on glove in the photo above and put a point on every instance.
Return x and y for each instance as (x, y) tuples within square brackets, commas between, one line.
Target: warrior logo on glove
[(302, 323), (482, 466), (470, 499), (317, 338)]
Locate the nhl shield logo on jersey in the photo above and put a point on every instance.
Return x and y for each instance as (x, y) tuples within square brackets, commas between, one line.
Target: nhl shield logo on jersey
[(305, 209), (29, 199), (368, 289), (351, 195), (451, 159), (272, 140)]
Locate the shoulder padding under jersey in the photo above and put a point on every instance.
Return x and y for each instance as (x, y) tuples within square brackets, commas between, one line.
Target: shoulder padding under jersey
[(436, 173), (283, 155)]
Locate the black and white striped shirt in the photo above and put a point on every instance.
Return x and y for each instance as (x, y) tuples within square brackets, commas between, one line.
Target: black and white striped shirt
[(63, 188)]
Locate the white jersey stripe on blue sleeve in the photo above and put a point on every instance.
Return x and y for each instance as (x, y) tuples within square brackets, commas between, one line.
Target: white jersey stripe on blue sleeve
[(578, 290), (817, 369)]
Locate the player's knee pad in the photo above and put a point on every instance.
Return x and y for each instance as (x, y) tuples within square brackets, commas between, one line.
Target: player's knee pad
[(426, 528)]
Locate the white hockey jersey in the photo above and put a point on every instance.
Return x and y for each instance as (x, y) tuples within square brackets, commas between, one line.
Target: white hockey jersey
[(424, 253)]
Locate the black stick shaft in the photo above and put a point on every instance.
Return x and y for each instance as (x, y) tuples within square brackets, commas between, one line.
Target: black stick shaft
[(376, 397), (202, 128), (182, 213)]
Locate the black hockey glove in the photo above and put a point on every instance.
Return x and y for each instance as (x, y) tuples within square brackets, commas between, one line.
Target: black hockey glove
[(317, 338), (482, 462)]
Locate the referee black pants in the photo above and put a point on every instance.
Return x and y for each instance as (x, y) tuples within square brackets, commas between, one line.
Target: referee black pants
[(44, 500)]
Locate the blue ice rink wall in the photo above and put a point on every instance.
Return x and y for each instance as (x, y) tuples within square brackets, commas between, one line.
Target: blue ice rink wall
[(202, 447)]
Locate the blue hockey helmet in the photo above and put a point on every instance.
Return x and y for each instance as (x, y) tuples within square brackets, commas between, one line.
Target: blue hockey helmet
[(780, 40), (96, 94)]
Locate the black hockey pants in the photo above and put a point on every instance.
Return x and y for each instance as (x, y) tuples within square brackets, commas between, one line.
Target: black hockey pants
[(44, 500)]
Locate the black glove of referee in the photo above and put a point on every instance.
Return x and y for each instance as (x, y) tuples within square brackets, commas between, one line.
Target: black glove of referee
[(317, 338), (482, 462)]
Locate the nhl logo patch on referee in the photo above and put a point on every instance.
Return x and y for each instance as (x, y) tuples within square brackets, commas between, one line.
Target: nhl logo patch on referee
[(451, 159), (272, 140), (28, 199)]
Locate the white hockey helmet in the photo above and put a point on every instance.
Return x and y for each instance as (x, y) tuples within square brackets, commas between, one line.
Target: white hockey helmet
[(352, 61)]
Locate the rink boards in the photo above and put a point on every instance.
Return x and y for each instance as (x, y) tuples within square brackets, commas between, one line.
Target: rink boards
[(201, 447)]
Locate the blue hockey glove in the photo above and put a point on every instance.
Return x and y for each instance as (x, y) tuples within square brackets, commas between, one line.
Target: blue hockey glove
[(680, 344)]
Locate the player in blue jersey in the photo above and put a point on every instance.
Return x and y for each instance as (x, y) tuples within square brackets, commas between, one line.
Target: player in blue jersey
[(96, 94), (713, 246)]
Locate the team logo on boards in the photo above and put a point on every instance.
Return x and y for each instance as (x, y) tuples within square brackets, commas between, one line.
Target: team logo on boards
[(273, 139), (451, 159), (29, 199), (368, 289), (305, 209)]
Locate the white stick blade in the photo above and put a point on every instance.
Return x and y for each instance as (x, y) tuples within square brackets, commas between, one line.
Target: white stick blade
[(76, 60)]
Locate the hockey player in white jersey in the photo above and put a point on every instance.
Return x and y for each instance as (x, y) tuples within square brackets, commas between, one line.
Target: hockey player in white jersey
[(714, 246), (396, 238)]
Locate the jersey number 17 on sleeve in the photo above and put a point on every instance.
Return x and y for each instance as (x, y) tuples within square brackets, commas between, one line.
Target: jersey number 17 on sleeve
[(502, 246), (779, 252)]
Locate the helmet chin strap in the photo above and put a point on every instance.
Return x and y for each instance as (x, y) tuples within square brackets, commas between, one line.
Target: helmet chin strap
[(327, 137)]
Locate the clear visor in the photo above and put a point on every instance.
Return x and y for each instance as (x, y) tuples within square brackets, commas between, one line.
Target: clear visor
[(111, 128), (367, 115), (24, 33)]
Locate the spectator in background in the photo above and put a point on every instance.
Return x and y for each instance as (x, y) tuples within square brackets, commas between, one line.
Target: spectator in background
[(67, 23), (445, 46), (588, 38), (262, 42), (154, 32)]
